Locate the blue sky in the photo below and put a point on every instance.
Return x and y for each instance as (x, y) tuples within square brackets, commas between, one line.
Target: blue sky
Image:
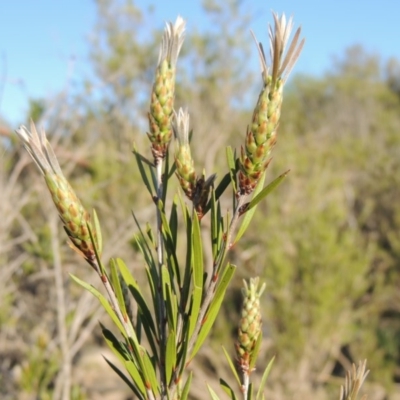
[(44, 43)]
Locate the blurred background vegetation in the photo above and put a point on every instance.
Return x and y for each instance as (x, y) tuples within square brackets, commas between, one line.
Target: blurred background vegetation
[(327, 242)]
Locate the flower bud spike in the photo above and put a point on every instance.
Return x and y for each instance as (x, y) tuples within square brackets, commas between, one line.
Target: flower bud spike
[(163, 92), (183, 159), (261, 134), (250, 324), (72, 214)]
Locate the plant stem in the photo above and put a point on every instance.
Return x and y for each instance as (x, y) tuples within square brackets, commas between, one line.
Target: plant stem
[(160, 257), (62, 392), (245, 385)]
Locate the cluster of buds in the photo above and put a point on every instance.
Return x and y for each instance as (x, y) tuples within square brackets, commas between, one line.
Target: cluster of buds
[(261, 134), (75, 218), (196, 189), (163, 92), (250, 324)]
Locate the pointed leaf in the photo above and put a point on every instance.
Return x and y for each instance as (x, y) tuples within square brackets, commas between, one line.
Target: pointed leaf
[(150, 373), (267, 190), (194, 309), (166, 176), (264, 379), (150, 261), (197, 273), (143, 245), (216, 226), (186, 388), (170, 356), (136, 376), (114, 344), (232, 366), (227, 389), (198, 265), (219, 190), (99, 238), (141, 161), (186, 286), (170, 246), (125, 379), (250, 392), (116, 285), (170, 299), (214, 395), (94, 242), (183, 342), (104, 302), (248, 216), (143, 309), (173, 221), (214, 308), (123, 355), (151, 237), (231, 160), (256, 350)]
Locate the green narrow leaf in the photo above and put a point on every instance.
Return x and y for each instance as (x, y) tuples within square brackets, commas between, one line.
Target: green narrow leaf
[(227, 389), (267, 190), (136, 376), (166, 282), (248, 216), (214, 395), (99, 238), (170, 356), (169, 246), (183, 343), (143, 309), (114, 344), (170, 299), (152, 270), (217, 228), (254, 353), (220, 189), (165, 179), (124, 356), (197, 273), (143, 245), (171, 171), (96, 250), (173, 221), (194, 309), (186, 388), (250, 392), (140, 160), (104, 302), (214, 308), (131, 386), (186, 286), (198, 265), (231, 365), (231, 160), (151, 236), (150, 374), (149, 258), (116, 285), (264, 379)]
